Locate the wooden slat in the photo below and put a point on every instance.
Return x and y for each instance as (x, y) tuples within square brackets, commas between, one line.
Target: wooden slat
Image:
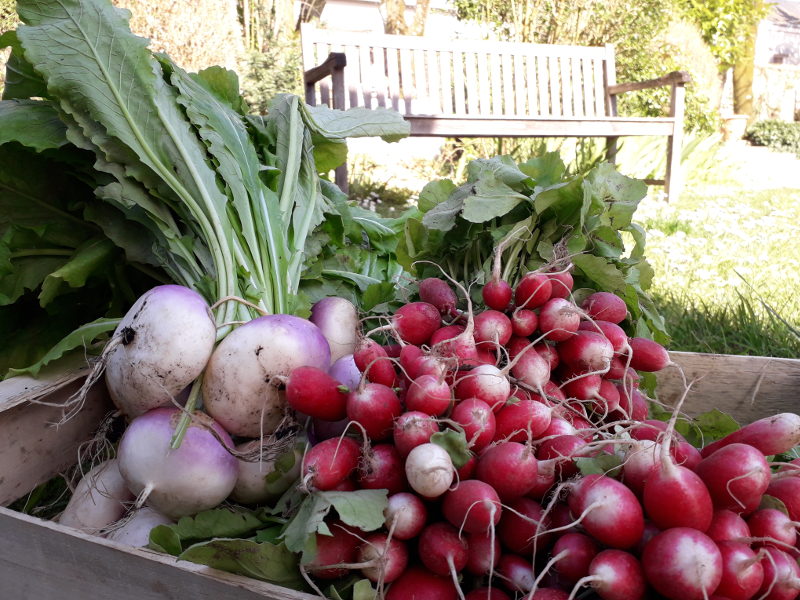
[(483, 84), (434, 89), (746, 387), (446, 81), (352, 76), (47, 561), (421, 83), (393, 74), (531, 84), (324, 86), (407, 85), (668, 79), (542, 79), (554, 77), (566, 86), (379, 78), (459, 99), (471, 85), (599, 88), (587, 75), (508, 86), (520, 85), (495, 90), (577, 88), (367, 78)]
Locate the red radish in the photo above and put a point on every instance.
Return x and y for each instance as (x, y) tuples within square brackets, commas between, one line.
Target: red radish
[(437, 292), (586, 351), (682, 564), (390, 556), (608, 511), (405, 515), (558, 426), (484, 552), (486, 593), (517, 345), (573, 553), (337, 319), (441, 549), (510, 468), (726, 525), (429, 470), (452, 341), (531, 369), (742, 571), (372, 360), (521, 525), (549, 353), (516, 572), (640, 460), (647, 355), (787, 490), (561, 283), (467, 470), (563, 449), (615, 575), (338, 548), (428, 394), (553, 394), (492, 329), (613, 332), (605, 306), (412, 429), (375, 407), (523, 421), (330, 462), (559, 319), (682, 451), (415, 322), (781, 576), (533, 290), (545, 479), (409, 354), (736, 475), (548, 594), (771, 435), (487, 383), (632, 404), (607, 399), (382, 468), (561, 519), (582, 387), (421, 584), (524, 322), (427, 365), (472, 506), (393, 350), (669, 486), (775, 525), (616, 370), (315, 393), (477, 420), (497, 294)]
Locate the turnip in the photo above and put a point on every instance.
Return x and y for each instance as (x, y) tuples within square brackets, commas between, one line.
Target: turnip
[(607, 510), (345, 371), (736, 476), (375, 407), (472, 506), (420, 584), (614, 575), (605, 306), (510, 468), (521, 523), (390, 556), (330, 462), (405, 515), (241, 386), (411, 429), (337, 319), (429, 470), (742, 571), (260, 481), (197, 476), (682, 564), (100, 498), (134, 530), (771, 435), (160, 346)]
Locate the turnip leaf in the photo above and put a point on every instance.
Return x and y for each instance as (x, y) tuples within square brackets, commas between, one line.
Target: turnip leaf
[(32, 123)]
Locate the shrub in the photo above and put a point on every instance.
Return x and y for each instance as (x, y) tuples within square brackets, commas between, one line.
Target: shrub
[(778, 135), (278, 68)]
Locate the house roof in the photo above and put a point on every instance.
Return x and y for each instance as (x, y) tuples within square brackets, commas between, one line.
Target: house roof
[(785, 13)]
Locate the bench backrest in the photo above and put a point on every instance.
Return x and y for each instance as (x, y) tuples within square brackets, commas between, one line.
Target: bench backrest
[(429, 76)]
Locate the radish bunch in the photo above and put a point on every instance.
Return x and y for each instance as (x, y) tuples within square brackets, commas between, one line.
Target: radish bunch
[(474, 421)]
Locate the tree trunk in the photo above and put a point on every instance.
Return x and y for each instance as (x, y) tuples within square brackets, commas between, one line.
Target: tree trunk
[(420, 17), (395, 19), (310, 10), (743, 75)]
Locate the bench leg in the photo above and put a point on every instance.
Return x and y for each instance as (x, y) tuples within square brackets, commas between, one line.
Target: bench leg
[(611, 149), (672, 179), (340, 178)]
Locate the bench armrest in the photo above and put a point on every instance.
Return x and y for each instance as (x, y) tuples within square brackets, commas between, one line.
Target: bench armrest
[(335, 61), (679, 78)]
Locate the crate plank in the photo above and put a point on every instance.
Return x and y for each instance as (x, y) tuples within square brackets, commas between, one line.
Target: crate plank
[(42, 560), (746, 387)]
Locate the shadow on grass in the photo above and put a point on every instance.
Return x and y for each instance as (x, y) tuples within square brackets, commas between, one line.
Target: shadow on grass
[(743, 326)]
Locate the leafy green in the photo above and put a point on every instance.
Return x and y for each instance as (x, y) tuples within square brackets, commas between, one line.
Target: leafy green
[(455, 442), (707, 427), (31, 123), (602, 464)]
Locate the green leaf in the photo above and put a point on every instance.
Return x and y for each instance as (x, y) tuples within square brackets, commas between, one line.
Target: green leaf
[(599, 270), (356, 122), (376, 294), (83, 337), (164, 538), (21, 81), (545, 170), (32, 123), (620, 192), (602, 464), (501, 169), (259, 560), (708, 427), (768, 501), (90, 258), (307, 521), (362, 509), (490, 198), (434, 193), (455, 442), (224, 85), (442, 217), (363, 590)]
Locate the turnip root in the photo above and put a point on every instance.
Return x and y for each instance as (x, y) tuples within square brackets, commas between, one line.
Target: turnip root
[(337, 319), (162, 344), (100, 498), (264, 480), (242, 379), (135, 529), (195, 477)]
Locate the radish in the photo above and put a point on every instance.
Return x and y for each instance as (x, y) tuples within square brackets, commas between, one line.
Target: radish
[(562, 284), (317, 394), (492, 329), (521, 524), (373, 361), (682, 564), (100, 498), (573, 553), (390, 556), (338, 548), (587, 351), (438, 293), (533, 290), (497, 294), (523, 421), (549, 353), (441, 549), (548, 594), (608, 511), (160, 346), (770, 523), (615, 575), (484, 382), (516, 573), (263, 480), (472, 506), (484, 553), (531, 369), (771, 435), (134, 530), (485, 593), (736, 476), (478, 422), (337, 319), (613, 333), (381, 467), (429, 470), (640, 460), (524, 322), (559, 319), (670, 485), (405, 515), (330, 462), (419, 584), (781, 576), (727, 525), (415, 322), (454, 341), (545, 479), (412, 429), (742, 571), (632, 405), (428, 394), (375, 407), (562, 449), (605, 306), (510, 468), (787, 490), (647, 355), (240, 385), (197, 476)]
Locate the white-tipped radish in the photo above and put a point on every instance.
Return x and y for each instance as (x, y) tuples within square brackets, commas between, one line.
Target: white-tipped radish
[(429, 470)]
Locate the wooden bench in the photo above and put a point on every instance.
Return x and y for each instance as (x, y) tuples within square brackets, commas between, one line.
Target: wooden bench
[(468, 89)]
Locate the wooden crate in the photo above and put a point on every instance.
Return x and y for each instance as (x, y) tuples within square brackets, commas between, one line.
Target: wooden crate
[(45, 561)]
